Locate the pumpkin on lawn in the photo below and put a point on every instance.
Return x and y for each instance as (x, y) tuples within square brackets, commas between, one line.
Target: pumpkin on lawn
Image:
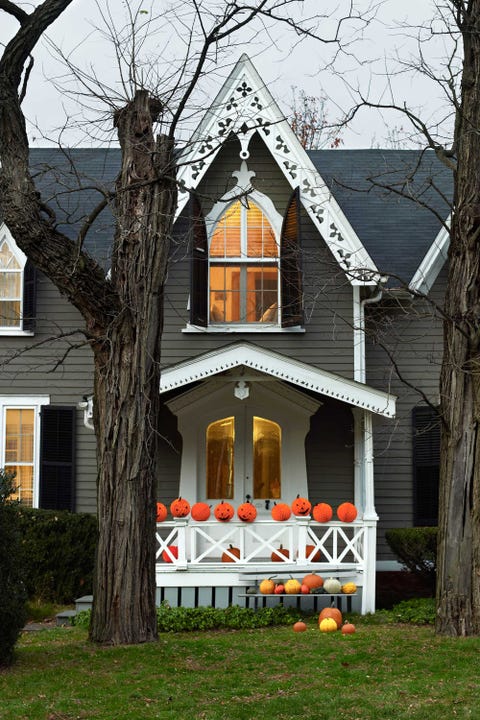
[(281, 512), (348, 628), (200, 511), (331, 612), (280, 555), (162, 512), (328, 625), (247, 512), (224, 511), (346, 512), (169, 553), (180, 508), (322, 512), (227, 554), (299, 626), (301, 506)]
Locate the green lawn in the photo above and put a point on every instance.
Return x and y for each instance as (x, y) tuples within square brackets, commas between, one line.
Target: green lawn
[(383, 672)]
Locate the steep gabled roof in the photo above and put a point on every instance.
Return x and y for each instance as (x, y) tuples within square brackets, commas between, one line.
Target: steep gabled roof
[(245, 106), (284, 368)]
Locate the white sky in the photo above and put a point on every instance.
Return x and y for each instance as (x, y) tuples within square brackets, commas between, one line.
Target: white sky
[(281, 58)]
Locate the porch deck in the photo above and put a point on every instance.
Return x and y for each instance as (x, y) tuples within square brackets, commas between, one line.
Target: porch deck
[(195, 570)]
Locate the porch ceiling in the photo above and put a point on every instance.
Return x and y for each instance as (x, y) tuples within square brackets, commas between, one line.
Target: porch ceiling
[(281, 367)]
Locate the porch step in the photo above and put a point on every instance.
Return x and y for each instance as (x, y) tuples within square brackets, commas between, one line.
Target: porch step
[(83, 603), (65, 618)]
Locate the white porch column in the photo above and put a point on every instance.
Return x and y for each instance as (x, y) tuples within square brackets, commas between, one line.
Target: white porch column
[(370, 517)]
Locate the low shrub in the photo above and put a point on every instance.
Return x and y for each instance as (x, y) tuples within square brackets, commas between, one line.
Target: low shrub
[(180, 619), (58, 551), (416, 548), (12, 589), (419, 611)]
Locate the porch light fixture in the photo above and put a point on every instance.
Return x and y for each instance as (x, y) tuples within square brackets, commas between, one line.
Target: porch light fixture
[(241, 390)]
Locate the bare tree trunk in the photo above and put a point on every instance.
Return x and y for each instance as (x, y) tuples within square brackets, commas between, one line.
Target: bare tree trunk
[(458, 568), (127, 383)]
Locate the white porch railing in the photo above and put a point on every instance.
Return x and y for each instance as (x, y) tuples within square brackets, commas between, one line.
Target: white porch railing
[(346, 549)]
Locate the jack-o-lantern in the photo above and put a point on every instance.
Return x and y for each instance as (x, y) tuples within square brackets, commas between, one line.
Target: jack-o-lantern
[(322, 512), (224, 511), (162, 512), (200, 511), (301, 506), (247, 512), (281, 512), (180, 508)]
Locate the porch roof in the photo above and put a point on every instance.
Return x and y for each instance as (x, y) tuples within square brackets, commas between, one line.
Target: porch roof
[(279, 366)]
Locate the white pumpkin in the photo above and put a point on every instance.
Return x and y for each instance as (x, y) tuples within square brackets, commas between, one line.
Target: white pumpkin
[(332, 586)]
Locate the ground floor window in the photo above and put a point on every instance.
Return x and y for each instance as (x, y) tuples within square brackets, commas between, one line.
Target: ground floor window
[(426, 465)]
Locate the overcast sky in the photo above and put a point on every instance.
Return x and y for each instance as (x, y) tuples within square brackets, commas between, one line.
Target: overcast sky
[(281, 57)]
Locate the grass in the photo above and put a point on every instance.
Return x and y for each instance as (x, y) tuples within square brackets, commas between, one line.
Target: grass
[(383, 672)]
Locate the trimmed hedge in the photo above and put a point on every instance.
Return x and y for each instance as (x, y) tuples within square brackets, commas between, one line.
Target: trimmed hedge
[(12, 589), (58, 551), (416, 548)]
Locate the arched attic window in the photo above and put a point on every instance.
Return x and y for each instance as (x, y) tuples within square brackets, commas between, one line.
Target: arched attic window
[(244, 272), (17, 288)]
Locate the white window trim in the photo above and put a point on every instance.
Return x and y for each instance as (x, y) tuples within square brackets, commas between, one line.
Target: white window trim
[(5, 330), (24, 402)]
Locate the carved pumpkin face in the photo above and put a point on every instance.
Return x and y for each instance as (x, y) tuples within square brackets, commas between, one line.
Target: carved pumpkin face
[(162, 512), (301, 506), (281, 512), (322, 512), (180, 508), (200, 511), (247, 512), (224, 511)]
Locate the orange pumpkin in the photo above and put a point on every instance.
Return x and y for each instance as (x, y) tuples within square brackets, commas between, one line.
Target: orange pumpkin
[(299, 626), (171, 551), (280, 555), (267, 587), (311, 555), (180, 508), (348, 628), (224, 511), (346, 512), (331, 612), (281, 512), (200, 511), (322, 512), (227, 556), (247, 512), (162, 512), (301, 506), (312, 581)]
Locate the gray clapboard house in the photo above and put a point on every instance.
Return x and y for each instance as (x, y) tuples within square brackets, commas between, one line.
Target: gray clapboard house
[(291, 309)]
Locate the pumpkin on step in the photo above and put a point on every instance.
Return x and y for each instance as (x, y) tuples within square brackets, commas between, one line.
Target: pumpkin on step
[(292, 587), (349, 588), (312, 581), (267, 586), (332, 586), (180, 508)]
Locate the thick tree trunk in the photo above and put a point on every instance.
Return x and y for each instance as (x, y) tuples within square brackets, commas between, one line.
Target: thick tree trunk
[(127, 384), (458, 571)]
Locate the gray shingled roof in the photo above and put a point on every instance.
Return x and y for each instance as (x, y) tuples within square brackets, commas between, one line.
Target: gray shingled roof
[(396, 231)]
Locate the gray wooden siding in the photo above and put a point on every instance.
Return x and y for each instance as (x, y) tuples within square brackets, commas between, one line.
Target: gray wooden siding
[(327, 342), (416, 343), (33, 372)]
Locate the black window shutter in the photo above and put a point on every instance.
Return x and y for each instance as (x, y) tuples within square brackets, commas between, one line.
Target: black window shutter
[(29, 296), (199, 264), (290, 264), (57, 457), (426, 459)]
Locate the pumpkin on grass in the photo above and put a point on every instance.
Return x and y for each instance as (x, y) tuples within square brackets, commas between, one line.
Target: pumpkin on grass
[(180, 508), (299, 626), (328, 625), (348, 628), (162, 512), (331, 612)]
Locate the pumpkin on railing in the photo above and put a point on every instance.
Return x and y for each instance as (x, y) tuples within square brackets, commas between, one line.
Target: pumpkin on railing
[(162, 512), (180, 508), (247, 512), (200, 511), (281, 512), (224, 511)]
